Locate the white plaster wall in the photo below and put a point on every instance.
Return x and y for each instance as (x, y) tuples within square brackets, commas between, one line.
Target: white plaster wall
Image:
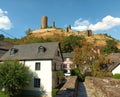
[(116, 70), (45, 74)]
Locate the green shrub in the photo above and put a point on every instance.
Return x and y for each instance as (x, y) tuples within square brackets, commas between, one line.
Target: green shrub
[(76, 72), (117, 76), (54, 92), (3, 94), (13, 77)]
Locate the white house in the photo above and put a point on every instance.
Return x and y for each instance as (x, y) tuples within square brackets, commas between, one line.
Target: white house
[(114, 66), (67, 64), (43, 59), (116, 69)]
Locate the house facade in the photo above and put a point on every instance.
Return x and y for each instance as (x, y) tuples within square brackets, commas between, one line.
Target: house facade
[(43, 59)]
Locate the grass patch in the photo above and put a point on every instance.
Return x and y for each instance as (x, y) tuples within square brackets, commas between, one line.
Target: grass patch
[(116, 76), (3, 94)]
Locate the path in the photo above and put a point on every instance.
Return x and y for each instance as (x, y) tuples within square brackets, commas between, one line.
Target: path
[(69, 88), (85, 91)]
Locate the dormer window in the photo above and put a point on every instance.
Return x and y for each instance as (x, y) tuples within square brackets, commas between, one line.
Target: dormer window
[(13, 51), (41, 49)]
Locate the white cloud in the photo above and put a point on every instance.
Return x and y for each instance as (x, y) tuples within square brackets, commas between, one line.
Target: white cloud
[(80, 24), (107, 23), (5, 22), (79, 28)]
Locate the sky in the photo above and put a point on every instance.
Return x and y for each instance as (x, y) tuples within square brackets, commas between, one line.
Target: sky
[(100, 16)]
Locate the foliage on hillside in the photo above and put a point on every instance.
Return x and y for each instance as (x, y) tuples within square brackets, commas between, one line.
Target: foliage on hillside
[(69, 43), (111, 47), (69, 40), (58, 35)]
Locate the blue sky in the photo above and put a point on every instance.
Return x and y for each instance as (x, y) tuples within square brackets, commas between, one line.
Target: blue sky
[(102, 16)]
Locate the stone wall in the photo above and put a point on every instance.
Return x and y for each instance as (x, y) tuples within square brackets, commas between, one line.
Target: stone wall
[(70, 88), (103, 87)]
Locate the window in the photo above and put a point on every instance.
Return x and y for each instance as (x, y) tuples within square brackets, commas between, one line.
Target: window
[(41, 49), (37, 82), (13, 51), (64, 66), (37, 66)]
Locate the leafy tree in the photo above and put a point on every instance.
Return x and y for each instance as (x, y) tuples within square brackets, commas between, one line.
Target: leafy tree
[(76, 71), (13, 77), (84, 56), (69, 43)]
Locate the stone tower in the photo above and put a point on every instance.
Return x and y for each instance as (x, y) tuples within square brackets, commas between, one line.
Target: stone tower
[(68, 29), (53, 24), (89, 32), (44, 22)]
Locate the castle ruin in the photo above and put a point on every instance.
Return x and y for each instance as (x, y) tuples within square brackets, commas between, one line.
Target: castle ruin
[(44, 22), (53, 24), (44, 27), (68, 29), (89, 33)]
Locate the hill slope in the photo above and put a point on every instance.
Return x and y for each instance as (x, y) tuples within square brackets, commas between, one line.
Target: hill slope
[(58, 34), (96, 39)]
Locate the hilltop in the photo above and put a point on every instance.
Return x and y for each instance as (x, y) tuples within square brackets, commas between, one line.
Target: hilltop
[(59, 34), (52, 33)]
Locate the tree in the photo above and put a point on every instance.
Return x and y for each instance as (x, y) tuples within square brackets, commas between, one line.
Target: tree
[(13, 77), (69, 43), (84, 57)]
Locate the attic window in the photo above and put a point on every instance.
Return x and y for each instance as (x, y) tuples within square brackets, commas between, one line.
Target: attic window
[(13, 51), (41, 49)]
